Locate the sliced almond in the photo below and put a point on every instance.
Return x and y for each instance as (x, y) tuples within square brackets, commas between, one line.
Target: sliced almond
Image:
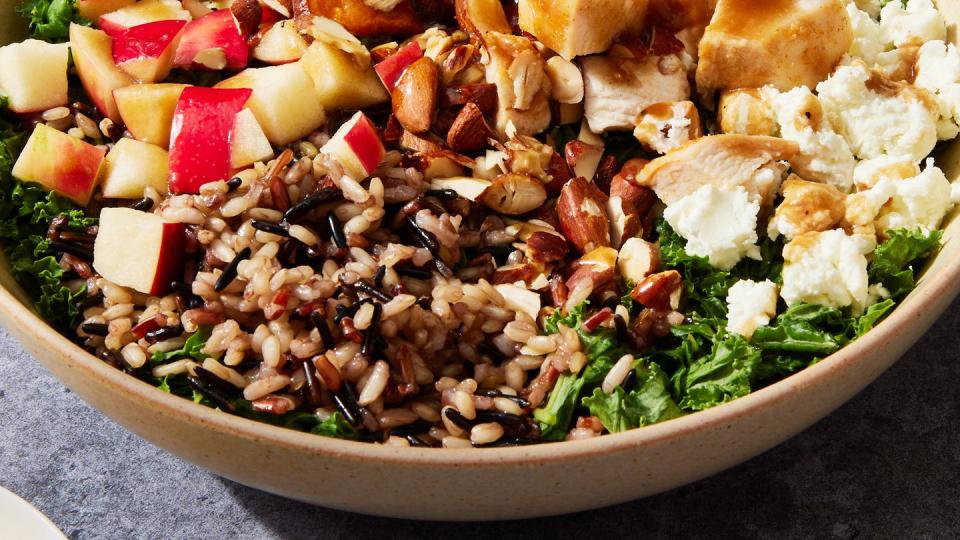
[(478, 17), (544, 247), (583, 158), (513, 273), (469, 132), (658, 291), (628, 204), (515, 194), (582, 215), (484, 95), (566, 81), (468, 188), (415, 96), (637, 259), (597, 267), (426, 143), (520, 299), (439, 165)]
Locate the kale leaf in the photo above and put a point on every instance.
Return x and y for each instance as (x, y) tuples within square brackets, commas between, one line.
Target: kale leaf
[(895, 260), (50, 20), (650, 402), (192, 348)]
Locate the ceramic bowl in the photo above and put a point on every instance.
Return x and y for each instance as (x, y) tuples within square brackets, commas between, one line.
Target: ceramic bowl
[(494, 483)]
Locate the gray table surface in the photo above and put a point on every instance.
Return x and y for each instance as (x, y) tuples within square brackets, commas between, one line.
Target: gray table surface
[(886, 465)]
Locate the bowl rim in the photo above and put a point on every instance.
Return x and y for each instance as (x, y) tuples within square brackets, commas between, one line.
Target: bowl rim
[(945, 282)]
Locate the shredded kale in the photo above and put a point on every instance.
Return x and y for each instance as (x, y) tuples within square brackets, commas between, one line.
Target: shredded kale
[(895, 260), (50, 20), (192, 348), (649, 403)]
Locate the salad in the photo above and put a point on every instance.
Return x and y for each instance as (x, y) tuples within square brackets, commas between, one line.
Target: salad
[(472, 223)]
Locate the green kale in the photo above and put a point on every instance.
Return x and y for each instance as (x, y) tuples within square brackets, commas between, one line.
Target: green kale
[(192, 348), (722, 375), (50, 20), (556, 414), (650, 402), (895, 260)]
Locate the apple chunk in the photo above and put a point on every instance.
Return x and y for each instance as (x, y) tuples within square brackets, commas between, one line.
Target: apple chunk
[(34, 75), (91, 10), (147, 110), (340, 79), (133, 166), (60, 163), (143, 12), (393, 66), (203, 124), (213, 41), (356, 146), (139, 250), (283, 101), (248, 144), (99, 75), (146, 51), (281, 44)]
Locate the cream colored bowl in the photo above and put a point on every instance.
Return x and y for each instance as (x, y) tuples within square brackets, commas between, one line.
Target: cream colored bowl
[(493, 483)]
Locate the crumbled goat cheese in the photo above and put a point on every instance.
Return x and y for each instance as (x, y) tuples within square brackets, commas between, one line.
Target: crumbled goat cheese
[(825, 268), (900, 122), (921, 201), (938, 70), (870, 7), (919, 22), (870, 171), (718, 224), (750, 305), (824, 155), (867, 39)]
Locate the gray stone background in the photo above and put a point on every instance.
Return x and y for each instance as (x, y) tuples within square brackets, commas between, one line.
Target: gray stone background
[(886, 465)]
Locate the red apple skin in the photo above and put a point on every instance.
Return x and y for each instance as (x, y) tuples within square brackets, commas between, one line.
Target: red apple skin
[(149, 40), (172, 254), (217, 30), (364, 140), (60, 163), (111, 29), (393, 66), (200, 150)]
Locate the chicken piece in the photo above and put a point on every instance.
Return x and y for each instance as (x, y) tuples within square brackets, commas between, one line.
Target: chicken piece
[(679, 14), (523, 88), (786, 43), (578, 27), (806, 207), (362, 20), (665, 126), (617, 89), (747, 111), (726, 161)]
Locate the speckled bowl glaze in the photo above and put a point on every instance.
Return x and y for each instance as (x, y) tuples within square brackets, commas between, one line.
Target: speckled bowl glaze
[(494, 483)]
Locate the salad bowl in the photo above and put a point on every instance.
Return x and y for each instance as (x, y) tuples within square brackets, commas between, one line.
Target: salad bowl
[(499, 483)]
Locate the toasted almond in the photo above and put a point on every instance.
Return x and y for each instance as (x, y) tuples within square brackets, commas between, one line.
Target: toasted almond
[(513, 273), (455, 61), (484, 95), (469, 132), (468, 188), (515, 194), (302, 16), (582, 215), (248, 14), (598, 267), (583, 158), (546, 247), (438, 165), (637, 259), (427, 143), (657, 290), (566, 81), (415, 96), (478, 17)]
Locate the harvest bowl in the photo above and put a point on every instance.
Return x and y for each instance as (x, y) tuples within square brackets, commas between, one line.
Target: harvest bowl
[(491, 484)]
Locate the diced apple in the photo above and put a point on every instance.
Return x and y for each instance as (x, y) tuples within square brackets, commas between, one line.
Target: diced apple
[(466, 187), (393, 66), (281, 44), (131, 167), (213, 41), (147, 110), (143, 12), (60, 163), (248, 144), (341, 81), (283, 101), (146, 51), (91, 10), (99, 75), (139, 250), (200, 139), (34, 75), (356, 145)]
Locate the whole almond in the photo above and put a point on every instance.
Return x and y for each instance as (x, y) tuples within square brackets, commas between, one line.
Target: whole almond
[(656, 290), (248, 14), (426, 143), (582, 215), (546, 247), (469, 132), (415, 96), (484, 95)]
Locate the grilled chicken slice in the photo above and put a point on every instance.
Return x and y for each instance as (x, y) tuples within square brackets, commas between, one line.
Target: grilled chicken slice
[(577, 27), (786, 43), (725, 161), (617, 89)]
